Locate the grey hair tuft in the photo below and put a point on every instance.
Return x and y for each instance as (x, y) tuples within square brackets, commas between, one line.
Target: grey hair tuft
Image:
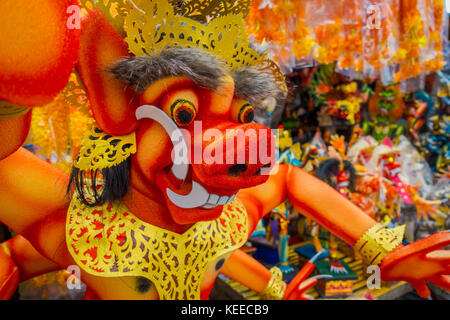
[(254, 85), (200, 66)]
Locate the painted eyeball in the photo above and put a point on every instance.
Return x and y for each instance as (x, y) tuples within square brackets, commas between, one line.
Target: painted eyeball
[(183, 112), (181, 105), (242, 111), (246, 114)]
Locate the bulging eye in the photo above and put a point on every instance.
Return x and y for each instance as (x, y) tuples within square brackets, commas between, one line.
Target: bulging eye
[(242, 111), (247, 114), (181, 105), (183, 112)]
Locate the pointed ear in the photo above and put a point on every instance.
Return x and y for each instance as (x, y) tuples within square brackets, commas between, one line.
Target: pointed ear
[(38, 49), (113, 103), (13, 133)]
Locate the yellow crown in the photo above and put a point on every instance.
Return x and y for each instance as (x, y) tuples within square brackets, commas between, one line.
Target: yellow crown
[(216, 26)]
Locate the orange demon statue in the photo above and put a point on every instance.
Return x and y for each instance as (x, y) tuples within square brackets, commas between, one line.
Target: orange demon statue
[(160, 197)]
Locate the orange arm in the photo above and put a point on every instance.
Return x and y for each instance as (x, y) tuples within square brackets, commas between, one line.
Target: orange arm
[(29, 261), (260, 200), (320, 202), (19, 261), (246, 270), (311, 197), (30, 189)]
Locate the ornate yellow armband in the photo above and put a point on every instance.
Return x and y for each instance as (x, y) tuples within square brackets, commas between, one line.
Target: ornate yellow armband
[(276, 287), (378, 241)]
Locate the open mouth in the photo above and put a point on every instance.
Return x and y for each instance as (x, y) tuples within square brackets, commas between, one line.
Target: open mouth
[(197, 197)]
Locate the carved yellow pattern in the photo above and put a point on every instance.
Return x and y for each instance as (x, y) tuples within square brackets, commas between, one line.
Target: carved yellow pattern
[(378, 241), (100, 150), (152, 25), (108, 241), (276, 287), (75, 94), (155, 26), (204, 10)]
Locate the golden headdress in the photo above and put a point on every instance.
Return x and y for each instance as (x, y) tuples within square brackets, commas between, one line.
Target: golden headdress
[(216, 26)]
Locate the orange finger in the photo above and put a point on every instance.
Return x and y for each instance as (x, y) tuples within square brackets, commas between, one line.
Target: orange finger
[(442, 281), (421, 247), (306, 297), (439, 256), (292, 295), (302, 275), (309, 283), (421, 288), (299, 291)]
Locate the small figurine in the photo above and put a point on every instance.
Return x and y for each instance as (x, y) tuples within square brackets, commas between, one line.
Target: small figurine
[(385, 108), (386, 181), (437, 142), (341, 175)]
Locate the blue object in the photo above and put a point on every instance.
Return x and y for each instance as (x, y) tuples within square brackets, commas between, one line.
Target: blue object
[(286, 269), (258, 233), (309, 251), (268, 255), (260, 230)]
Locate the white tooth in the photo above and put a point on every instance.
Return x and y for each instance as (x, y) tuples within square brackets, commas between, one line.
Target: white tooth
[(213, 199), (196, 198), (209, 206), (223, 200), (180, 165), (232, 198)]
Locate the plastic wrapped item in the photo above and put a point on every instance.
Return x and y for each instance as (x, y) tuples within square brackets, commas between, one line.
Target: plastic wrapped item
[(380, 38), (391, 40), (415, 170)]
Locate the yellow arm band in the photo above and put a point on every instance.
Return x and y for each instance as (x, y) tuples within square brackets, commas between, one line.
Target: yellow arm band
[(276, 287), (377, 242)]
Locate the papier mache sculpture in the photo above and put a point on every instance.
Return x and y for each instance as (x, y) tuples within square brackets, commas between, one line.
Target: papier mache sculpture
[(136, 218)]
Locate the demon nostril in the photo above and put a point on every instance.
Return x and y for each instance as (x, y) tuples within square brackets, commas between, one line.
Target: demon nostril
[(237, 169)]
